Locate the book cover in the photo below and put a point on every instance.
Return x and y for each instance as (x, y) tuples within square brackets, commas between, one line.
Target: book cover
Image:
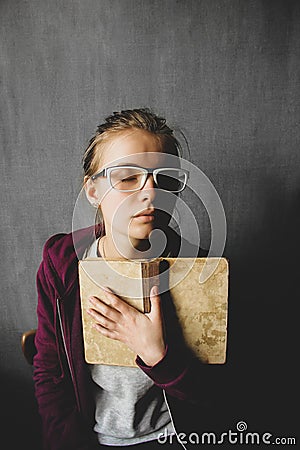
[(200, 307)]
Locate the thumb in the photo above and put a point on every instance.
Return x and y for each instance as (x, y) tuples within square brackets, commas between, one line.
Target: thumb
[(155, 312)]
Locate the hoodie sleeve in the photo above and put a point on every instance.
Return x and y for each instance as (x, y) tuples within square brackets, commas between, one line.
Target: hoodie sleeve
[(178, 373), (63, 426)]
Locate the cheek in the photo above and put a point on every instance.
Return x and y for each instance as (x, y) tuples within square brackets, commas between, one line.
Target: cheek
[(115, 207)]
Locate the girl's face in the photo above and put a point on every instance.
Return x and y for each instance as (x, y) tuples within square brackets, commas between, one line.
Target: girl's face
[(119, 209)]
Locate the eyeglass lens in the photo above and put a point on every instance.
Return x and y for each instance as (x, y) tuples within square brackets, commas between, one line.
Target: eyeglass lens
[(129, 178)]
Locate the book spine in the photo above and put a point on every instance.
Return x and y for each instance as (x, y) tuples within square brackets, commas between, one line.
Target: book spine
[(150, 277)]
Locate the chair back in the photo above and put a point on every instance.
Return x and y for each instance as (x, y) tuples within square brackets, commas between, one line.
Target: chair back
[(28, 345)]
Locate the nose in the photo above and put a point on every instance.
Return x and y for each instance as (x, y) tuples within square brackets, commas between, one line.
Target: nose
[(148, 191)]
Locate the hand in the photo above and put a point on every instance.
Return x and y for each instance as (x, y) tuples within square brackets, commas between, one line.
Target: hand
[(142, 333)]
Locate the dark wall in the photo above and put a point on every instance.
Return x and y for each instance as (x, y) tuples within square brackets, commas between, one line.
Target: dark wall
[(226, 73)]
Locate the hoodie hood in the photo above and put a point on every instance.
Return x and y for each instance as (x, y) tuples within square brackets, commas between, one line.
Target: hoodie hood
[(62, 252)]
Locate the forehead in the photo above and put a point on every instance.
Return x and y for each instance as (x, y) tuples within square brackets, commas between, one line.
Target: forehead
[(133, 147)]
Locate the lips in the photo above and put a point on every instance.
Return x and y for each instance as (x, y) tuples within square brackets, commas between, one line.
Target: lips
[(145, 216), (145, 212)]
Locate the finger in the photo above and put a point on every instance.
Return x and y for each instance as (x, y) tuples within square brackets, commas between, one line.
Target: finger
[(106, 332), (102, 320), (155, 312), (116, 302), (105, 309), (107, 289)]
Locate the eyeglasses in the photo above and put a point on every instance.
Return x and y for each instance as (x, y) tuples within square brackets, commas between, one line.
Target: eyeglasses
[(133, 178)]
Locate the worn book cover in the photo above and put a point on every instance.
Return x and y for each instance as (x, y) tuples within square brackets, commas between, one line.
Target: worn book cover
[(200, 307)]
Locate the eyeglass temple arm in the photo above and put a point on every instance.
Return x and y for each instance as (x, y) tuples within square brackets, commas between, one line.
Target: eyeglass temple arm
[(99, 174)]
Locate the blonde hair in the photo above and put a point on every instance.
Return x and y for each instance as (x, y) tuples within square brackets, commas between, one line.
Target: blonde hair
[(142, 119)]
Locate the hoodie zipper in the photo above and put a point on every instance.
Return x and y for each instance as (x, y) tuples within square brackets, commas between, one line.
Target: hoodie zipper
[(66, 352)]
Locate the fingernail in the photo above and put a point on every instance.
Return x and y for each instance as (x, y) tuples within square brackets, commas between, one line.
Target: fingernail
[(106, 288), (155, 290)]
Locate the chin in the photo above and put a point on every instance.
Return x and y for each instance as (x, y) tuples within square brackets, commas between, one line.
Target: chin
[(141, 234)]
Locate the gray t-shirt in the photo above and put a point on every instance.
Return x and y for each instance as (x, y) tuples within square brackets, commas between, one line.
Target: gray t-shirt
[(130, 408)]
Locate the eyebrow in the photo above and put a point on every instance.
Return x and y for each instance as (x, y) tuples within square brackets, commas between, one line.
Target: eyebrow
[(126, 164)]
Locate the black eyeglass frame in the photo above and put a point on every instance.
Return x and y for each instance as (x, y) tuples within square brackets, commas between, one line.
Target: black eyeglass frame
[(147, 170)]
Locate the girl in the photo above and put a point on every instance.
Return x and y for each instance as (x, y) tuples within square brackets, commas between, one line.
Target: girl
[(129, 167)]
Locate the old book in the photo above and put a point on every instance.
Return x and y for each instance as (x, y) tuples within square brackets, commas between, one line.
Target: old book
[(200, 307)]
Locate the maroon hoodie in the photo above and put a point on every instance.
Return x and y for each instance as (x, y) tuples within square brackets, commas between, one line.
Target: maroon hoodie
[(63, 384)]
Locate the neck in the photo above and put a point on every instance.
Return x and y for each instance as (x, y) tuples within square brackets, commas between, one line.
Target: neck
[(123, 248)]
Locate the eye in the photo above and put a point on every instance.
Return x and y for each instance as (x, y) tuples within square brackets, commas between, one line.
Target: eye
[(124, 180)]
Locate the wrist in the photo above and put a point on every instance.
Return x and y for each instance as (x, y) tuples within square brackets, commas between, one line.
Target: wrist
[(153, 358)]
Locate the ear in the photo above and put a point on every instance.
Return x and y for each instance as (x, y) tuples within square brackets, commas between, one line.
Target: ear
[(91, 191)]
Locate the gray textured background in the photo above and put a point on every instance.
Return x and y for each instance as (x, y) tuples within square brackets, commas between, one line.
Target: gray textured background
[(224, 72)]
